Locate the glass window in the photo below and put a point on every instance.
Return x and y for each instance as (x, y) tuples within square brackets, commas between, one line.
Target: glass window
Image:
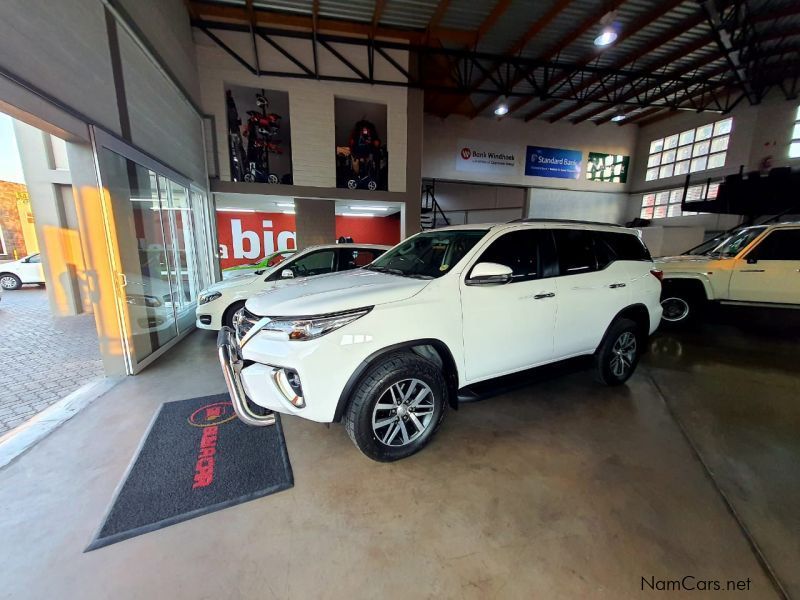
[(794, 145), (656, 146), (660, 212), (36, 258), (313, 263), (428, 255), (518, 250), (778, 245), (689, 151), (623, 246), (647, 213), (662, 198), (575, 249), (674, 210), (352, 258), (738, 242), (648, 200)]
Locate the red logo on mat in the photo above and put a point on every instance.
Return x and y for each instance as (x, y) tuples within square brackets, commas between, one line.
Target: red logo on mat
[(466, 153), (212, 414), (209, 418)]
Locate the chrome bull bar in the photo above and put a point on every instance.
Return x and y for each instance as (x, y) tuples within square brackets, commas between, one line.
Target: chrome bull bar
[(231, 362)]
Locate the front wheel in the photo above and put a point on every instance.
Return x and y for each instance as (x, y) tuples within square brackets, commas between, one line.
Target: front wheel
[(396, 407), (619, 353), (227, 317), (9, 281)]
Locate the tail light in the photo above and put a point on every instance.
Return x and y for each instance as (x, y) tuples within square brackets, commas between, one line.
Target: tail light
[(657, 273)]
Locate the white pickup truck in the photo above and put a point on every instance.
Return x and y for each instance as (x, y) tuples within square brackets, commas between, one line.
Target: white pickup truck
[(756, 266)]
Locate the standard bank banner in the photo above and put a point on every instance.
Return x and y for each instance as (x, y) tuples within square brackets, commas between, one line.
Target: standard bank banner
[(483, 157), (553, 162)]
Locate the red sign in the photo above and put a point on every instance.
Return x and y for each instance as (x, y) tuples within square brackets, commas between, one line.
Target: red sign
[(247, 237), (466, 153)]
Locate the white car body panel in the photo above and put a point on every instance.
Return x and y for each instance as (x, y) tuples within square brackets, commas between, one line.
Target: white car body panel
[(484, 319), (241, 288), (28, 272)]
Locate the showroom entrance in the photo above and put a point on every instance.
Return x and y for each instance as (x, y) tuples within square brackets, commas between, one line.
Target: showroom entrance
[(158, 225)]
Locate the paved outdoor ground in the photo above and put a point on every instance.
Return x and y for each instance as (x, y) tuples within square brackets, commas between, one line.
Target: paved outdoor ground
[(42, 358)]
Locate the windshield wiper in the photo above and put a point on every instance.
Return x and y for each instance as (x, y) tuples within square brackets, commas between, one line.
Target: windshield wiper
[(385, 270)]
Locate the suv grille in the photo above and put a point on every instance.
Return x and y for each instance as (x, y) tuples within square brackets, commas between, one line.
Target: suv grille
[(243, 322)]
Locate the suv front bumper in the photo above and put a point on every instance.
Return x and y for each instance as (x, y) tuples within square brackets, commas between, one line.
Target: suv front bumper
[(231, 361)]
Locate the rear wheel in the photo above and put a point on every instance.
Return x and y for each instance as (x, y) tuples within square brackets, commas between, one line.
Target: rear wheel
[(396, 407), (9, 281), (619, 352)]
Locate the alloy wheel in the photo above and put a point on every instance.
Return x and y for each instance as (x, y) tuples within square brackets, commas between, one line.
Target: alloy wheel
[(403, 412), (8, 283), (623, 354)]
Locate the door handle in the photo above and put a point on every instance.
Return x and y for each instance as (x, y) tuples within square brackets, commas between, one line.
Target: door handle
[(753, 270), (617, 285), (542, 296), (123, 280)]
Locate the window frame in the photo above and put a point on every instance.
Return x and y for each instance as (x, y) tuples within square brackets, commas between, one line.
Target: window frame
[(752, 253), (699, 191), (699, 151), (794, 136), (544, 236)]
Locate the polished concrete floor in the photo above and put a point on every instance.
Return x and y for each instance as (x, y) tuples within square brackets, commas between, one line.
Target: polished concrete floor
[(558, 489)]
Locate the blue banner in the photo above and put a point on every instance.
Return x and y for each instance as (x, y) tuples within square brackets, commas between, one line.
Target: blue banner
[(553, 162)]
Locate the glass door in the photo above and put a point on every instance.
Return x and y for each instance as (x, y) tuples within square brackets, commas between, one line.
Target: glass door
[(150, 220)]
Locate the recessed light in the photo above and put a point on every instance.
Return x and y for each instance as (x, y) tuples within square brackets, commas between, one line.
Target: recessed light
[(502, 109), (619, 117), (286, 204), (288, 212), (382, 208), (356, 215), (245, 210)]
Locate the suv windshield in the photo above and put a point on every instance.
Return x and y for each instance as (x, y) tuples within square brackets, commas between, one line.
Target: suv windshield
[(737, 242), (428, 255)]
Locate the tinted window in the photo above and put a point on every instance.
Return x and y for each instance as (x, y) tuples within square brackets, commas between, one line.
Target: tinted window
[(428, 255), (575, 251), (518, 250), (352, 258), (36, 258), (619, 246), (315, 263), (778, 245)]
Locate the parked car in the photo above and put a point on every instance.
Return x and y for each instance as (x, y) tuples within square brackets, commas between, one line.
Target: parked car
[(269, 261), (387, 348), (217, 304), (15, 274), (756, 266)]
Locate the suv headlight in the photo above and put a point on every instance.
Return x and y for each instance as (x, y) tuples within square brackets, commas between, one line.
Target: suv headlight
[(309, 328), (205, 298)]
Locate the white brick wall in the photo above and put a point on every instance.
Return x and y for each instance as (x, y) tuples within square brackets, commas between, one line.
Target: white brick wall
[(310, 105)]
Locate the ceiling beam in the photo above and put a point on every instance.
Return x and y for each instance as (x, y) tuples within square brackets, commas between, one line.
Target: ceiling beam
[(438, 14), (377, 13), (491, 19), (636, 53), (518, 46), (563, 43)]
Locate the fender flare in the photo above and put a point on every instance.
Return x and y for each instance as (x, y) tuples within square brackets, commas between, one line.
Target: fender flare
[(450, 371)]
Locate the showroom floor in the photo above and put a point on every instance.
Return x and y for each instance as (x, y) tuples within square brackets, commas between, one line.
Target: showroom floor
[(559, 489), (42, 358)]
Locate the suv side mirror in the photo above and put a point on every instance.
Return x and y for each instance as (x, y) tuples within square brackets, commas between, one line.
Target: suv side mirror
[(287, 274), (489, 273)]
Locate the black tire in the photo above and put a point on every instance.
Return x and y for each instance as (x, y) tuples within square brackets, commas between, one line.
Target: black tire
[(395, 369), (9, 281), (681, 304), (614, 348), (227, 316)]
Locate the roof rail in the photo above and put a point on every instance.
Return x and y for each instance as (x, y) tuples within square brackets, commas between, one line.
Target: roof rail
[(569, 221)]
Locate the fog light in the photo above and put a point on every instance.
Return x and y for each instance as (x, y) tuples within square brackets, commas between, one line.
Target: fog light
[(205, 319), (288, 382)]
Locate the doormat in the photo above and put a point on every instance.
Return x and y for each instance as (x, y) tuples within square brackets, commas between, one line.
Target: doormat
[(195, 458)]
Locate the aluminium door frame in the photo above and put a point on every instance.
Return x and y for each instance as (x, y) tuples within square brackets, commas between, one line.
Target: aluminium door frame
[(103, 139)]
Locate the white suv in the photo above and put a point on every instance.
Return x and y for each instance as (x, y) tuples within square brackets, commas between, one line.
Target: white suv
[(387, 347), (755, 266)]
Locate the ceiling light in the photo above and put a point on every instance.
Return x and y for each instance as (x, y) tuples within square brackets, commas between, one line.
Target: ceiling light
[(247, 210), (286, 204), (607, 37), (288, 212), (356, 215), (619, 117), (501, 108), (382, 208)]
